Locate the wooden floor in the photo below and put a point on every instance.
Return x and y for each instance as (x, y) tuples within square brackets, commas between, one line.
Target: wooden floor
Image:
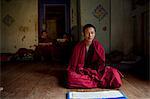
[(46, 81)]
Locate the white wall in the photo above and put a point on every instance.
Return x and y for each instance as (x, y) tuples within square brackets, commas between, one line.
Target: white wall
[(121, 26), (23, 32), (141, 36)]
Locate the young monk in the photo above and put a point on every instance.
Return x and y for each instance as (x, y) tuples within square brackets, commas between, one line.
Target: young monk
[(87, 65)]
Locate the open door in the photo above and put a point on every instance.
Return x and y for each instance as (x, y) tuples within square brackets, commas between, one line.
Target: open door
[(55, 20)]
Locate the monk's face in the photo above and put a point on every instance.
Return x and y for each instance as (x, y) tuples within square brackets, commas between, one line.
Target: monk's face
[(89, 34)]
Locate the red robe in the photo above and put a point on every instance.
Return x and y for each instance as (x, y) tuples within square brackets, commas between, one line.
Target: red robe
[(81, 77)]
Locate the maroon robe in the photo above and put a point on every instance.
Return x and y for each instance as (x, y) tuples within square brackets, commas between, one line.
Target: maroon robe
[(81, 76)]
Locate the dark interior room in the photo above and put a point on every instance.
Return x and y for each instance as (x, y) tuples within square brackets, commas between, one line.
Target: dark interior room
[(38, 38)]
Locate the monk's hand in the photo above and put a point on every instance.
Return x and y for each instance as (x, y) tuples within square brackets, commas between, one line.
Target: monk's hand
[(80, 70), (86, 71), (93, 72)]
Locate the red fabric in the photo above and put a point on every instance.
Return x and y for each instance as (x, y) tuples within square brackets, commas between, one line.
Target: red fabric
[(80, 77), (111, 78), (77, 59)]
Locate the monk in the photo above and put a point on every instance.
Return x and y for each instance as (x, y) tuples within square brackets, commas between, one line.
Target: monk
[(87, 68)]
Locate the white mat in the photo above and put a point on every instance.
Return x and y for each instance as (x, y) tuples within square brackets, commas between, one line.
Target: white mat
[(113, 94)]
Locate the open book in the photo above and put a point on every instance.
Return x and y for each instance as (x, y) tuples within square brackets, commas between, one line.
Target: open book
[(112, 94)]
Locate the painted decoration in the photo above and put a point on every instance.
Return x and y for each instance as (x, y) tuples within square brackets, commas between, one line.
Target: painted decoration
[(8, 20), (99, 12)]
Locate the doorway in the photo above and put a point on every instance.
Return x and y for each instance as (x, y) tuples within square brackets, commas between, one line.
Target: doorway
[(54, 17)]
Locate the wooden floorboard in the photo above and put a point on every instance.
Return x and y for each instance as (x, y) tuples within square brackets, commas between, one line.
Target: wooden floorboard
[(46, 81)]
